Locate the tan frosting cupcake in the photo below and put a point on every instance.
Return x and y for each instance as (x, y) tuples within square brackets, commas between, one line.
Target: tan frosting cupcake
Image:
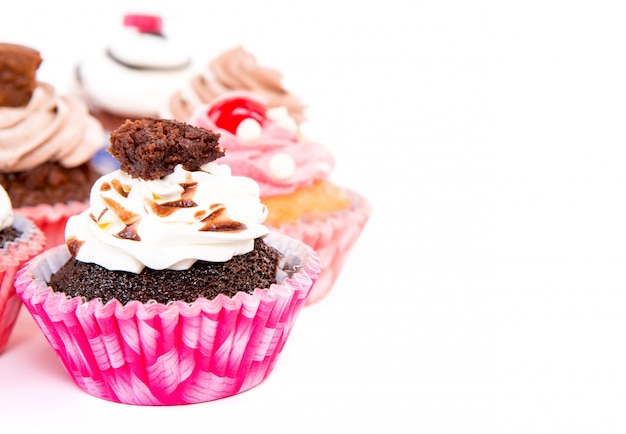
[(234, 69), (46, 143)]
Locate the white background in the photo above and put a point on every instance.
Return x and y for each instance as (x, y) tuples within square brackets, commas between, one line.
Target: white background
[(487, 292)]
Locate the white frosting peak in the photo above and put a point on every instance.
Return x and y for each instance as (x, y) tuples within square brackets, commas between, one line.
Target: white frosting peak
[(6, 210)]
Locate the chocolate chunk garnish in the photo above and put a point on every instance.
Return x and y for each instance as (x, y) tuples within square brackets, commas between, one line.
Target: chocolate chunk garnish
[(151, 148), (18, 69)]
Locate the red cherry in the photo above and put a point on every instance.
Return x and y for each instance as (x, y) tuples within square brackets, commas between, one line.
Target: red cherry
[(144, 23), (229, 112)]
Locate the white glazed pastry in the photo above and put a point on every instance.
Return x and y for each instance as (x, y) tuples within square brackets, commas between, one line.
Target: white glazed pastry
[(134, 75)]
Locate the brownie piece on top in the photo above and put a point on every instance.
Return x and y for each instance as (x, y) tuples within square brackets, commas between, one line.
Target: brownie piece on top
[(150, 148)]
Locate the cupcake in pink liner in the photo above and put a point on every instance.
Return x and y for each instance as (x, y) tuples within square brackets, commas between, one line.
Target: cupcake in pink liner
[(20, 240), (46, 143), (170, 289), (293, 174)]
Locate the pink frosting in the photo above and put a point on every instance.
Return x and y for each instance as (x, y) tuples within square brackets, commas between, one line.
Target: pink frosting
[(311, 160), (51, 128)]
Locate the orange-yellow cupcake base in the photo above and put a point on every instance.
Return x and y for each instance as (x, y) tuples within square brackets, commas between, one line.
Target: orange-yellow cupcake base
[(330, 222)]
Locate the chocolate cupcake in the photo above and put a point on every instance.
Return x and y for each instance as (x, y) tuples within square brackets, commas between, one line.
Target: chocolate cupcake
[(46, 143), (170, 290)]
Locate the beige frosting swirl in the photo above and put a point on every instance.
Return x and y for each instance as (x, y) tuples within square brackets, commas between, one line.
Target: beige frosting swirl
[(235, 69), (51, 128)]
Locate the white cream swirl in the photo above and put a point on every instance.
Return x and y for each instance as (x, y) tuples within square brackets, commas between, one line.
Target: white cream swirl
[(171, 222), (6, 210), (134, 75)]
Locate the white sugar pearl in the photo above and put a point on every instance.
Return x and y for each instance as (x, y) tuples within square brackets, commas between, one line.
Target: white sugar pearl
[(282, 166), (280, 115), (249, 130)]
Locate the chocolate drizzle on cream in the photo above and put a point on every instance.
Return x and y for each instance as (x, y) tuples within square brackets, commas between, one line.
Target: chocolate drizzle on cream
[(185, 201), (127, 217), (218, 221), (168, 223), (119, 188), (129, 232), (74, 245), (174, 67)]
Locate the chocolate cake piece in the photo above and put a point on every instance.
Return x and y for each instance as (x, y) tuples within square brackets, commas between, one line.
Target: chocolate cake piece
[(256, 269), (8, 234), (49, 183), (151, 148), (18, 68)]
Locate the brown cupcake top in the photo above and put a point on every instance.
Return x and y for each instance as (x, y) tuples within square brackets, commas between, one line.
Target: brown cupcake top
[(151, 148), (18, 69)]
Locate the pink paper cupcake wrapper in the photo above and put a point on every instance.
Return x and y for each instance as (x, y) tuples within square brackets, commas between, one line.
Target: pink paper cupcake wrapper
[(51, 219), (12, 256), (179, 353), (332, 238)]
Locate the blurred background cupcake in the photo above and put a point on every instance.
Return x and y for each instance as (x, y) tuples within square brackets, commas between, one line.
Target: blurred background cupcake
[(188, 299), (46, 143), (20, 240), (130, 76), (134, 73), (233, 69), (293, 174)]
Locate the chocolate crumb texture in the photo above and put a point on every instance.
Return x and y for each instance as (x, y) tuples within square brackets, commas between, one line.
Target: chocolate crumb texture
[(49, 183), (18, 70), (150, 148), (256, 269)]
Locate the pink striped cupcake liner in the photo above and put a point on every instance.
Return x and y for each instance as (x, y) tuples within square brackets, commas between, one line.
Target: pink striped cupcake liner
[(51, 218), (12, 256), (332, 238), (179, 353)]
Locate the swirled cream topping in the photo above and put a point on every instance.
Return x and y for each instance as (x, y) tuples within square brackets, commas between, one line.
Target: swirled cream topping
[(135, 74), (263, 143), (51, 128), (235, 69), (6, 210), (168, 223)]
